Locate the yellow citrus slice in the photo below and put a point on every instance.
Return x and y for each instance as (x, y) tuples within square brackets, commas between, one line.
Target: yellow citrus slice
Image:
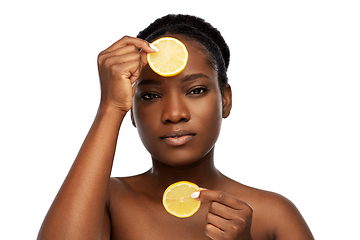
[(177, 199), (171, 59)]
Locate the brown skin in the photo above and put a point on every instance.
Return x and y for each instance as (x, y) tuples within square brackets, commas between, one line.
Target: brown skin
[(192, 102)]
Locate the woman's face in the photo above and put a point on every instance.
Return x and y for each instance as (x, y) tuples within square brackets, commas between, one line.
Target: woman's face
[(179, 118)]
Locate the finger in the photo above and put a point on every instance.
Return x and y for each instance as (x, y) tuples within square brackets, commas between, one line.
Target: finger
[(117, 52), (223, 210), (133, 85), (222, 197), (126, 70), (213, 232), (134, 77), (217, 221), (126, 40), (122, 59), (143, 58)]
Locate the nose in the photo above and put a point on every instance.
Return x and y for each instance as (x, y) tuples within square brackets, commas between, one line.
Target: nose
[(175, 110)]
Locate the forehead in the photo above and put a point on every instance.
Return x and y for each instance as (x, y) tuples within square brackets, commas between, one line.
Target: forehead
[(197, 63)]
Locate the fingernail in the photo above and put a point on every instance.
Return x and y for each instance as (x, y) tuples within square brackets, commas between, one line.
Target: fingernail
[(153, 47), (132, 85), (195, 195)]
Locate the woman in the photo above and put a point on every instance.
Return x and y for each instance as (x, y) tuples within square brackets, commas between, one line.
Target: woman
[(178, 120)]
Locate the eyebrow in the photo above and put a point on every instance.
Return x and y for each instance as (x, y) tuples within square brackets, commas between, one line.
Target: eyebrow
[(149, 82), (185, 79), (192, 77)]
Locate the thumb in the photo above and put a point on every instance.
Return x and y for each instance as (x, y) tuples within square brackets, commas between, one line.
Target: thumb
[(198, 195), (133, 85)]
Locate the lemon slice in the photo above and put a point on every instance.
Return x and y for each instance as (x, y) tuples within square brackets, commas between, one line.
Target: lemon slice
[(177, 199), (171, 59)]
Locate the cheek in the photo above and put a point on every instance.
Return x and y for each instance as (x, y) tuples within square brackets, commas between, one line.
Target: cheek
[(208, 116), (146, 123)]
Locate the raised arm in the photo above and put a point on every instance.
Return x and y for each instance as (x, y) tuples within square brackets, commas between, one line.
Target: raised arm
[(78, 209)]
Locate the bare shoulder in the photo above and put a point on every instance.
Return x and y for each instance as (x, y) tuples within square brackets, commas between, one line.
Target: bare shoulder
[(128, 188), (273, 213), (116, 186), (123, 185)]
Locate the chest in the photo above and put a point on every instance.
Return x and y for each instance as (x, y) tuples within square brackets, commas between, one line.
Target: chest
[(148, 220)]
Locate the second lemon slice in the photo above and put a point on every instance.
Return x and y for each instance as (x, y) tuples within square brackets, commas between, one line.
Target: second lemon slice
[(177, 199), (171, 59)]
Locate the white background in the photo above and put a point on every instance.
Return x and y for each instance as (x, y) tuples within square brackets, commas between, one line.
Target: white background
[(294, 128)]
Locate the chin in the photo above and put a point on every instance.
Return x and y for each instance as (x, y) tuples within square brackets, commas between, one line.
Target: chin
[(183, 159)]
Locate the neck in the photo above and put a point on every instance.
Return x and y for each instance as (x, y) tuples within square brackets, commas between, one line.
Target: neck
[(203, 173)]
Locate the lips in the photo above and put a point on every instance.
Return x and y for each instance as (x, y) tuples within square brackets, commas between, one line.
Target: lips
[(177, 138)]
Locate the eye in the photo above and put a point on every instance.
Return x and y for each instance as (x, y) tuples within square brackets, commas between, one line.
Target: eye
[(198, 90), (149, 96)]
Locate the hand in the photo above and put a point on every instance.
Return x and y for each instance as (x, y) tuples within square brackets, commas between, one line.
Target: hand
[(228, 217), (119, 67)]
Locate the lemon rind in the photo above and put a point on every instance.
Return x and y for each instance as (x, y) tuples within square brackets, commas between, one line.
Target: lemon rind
[(173, 213), (173, 73)]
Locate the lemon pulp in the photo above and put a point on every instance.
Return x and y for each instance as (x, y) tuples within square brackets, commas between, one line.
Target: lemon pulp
[(171, 59), (177, 199)]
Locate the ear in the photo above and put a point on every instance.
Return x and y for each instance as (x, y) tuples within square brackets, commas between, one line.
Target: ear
[(227, 101), (132, 117)]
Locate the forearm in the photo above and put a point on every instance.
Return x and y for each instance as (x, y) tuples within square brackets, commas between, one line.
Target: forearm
[(78, 208)]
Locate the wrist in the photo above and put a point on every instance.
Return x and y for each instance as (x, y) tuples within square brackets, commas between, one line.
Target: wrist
[(112, 112)]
